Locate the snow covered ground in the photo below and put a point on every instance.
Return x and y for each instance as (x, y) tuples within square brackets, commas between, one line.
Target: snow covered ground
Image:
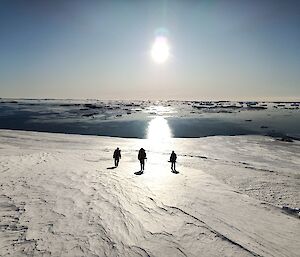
[(60, 196)]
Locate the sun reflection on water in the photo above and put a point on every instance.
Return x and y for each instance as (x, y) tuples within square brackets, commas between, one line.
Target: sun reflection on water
[(160, 110), (159, 130), (158, 133)]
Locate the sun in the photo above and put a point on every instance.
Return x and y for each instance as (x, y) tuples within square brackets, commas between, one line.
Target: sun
[(160, 51)]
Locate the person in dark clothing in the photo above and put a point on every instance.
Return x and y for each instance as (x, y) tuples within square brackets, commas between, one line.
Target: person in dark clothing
[(173, 158), (117, 156), (142, 157)]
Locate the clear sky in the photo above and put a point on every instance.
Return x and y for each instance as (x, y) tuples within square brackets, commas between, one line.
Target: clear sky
[(236, 50)]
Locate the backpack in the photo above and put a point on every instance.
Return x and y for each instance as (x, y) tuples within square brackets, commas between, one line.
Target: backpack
[(116, 154), (142, 155), (173, 157)]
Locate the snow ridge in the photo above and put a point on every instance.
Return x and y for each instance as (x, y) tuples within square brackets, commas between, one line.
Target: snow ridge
[(58, 197)]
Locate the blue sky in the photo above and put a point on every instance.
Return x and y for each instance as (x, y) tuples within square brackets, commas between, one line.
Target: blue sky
[(238, 50)]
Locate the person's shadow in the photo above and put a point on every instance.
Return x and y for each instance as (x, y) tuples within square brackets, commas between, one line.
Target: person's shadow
[(138, 173), (111, 168)]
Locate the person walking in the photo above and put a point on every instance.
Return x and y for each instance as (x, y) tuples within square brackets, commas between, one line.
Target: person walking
[(142, 156), (117, 156), (173, 158)]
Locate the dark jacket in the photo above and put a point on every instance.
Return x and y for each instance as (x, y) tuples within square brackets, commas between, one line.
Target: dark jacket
[(117, 154), (142, 154), (173, 157)]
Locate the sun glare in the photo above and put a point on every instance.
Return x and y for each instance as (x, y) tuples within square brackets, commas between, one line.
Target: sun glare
[(159, 130), (160, 51)]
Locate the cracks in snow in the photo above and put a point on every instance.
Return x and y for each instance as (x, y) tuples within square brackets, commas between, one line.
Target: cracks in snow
[(218, 234), (141, 251)]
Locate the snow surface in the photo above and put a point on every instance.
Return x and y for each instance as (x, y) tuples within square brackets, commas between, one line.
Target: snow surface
[(60, 196)]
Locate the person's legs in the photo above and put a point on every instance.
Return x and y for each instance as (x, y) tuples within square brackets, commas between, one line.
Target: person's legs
[(143, 164), (174, 166), (116, 162)]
